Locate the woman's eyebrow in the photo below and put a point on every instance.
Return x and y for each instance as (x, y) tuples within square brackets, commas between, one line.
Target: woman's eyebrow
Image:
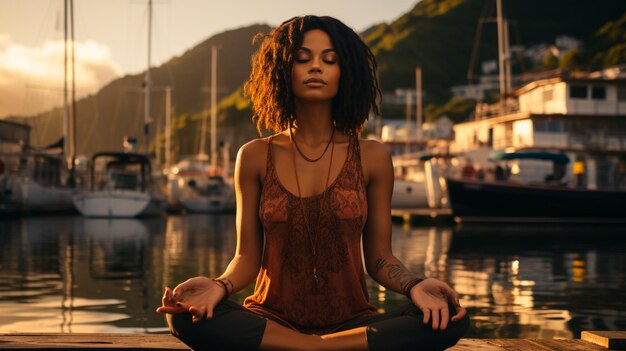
[(304, 48)]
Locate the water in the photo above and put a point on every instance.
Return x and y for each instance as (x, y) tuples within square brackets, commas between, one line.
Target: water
[(70, 274)]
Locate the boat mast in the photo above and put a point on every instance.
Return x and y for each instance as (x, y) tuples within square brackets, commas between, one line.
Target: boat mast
[(69, 120), (503, 54), (66, 116), (213, 107), (148, 83), (73, 121), (168, 125), (418, 103)]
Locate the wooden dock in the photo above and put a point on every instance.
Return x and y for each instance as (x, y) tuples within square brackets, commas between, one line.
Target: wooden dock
[(591, 341)]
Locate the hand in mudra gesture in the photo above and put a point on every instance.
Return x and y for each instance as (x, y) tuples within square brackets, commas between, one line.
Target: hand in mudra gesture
[(198, 296), (432, 297)]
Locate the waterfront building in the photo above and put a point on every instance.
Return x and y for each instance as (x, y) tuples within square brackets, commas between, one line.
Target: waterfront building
[(581, 114)]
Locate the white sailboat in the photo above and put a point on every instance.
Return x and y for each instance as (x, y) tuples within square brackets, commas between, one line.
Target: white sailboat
[(122, 183), (121, 186), (197, 184)]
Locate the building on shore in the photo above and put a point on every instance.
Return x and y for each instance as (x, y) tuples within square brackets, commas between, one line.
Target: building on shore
[(581, 114)]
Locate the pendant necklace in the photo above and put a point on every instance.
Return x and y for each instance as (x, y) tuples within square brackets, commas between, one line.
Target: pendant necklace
[(322, 201)]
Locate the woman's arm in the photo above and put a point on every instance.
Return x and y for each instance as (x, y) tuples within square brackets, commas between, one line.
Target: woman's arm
[(380, 262), (199, 295), (430, 295), (245, 265)]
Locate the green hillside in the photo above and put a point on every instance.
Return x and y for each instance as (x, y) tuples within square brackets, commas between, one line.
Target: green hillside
[(437, 35)]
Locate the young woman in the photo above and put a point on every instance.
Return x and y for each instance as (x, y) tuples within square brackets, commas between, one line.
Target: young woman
[(306, 199)]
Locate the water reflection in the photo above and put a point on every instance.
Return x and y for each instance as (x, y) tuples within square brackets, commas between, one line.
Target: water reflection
[(540, 281), (70, 274)]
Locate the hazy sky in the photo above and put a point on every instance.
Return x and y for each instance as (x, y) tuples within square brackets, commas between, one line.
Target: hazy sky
[(111, 37)]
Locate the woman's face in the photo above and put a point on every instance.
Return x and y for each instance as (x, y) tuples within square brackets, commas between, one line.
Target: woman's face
[(315, 72)]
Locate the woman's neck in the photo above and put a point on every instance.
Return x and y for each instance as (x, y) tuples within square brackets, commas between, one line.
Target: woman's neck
[(314, 123)]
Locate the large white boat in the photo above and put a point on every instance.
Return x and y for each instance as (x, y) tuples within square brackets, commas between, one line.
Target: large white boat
[(120, 186)]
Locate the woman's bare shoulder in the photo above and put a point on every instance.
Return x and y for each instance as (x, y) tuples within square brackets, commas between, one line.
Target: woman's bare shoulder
[(373, 150), (375, 159), (252, 156), (254, 147)]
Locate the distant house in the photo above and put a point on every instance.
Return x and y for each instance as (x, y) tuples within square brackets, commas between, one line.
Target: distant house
[(582, 114), (13, 136), (401, 137)]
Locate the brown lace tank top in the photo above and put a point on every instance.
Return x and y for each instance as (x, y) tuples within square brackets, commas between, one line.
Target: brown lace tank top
[(285, 287)]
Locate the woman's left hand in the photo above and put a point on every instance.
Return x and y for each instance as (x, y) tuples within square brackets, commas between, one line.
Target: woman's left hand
[(432, 297)]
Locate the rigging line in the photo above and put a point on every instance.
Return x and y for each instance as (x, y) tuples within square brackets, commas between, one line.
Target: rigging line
[(514, 22), (44, 22), (92, 125), (476, 47), (118, 104), (169, 43)]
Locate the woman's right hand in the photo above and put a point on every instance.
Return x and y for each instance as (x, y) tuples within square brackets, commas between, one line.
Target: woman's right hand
[(197, 296)]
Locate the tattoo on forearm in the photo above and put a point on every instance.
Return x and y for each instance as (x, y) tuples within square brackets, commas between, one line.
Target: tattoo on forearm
[(396, 272)]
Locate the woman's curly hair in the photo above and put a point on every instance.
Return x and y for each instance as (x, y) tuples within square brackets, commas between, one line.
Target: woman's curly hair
[(269, 86)]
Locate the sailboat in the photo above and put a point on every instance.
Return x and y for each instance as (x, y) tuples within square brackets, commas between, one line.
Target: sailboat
[(37, 180), (121, 186), (33, 183), (122, 183), (197, 184)]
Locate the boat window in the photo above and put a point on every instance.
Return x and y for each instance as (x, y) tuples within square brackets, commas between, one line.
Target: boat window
[(124, 181), (46, 171), (621, 93), (578, 91), (549, 126), (548, 93), (598, 93)]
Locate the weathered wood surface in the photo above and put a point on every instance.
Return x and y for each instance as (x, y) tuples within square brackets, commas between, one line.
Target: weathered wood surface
[(166, 342), (53, 341), (525, 345), (615, 340)]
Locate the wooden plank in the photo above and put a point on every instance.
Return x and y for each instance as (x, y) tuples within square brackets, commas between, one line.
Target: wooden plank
[(524, 345), (92, 341), (518, 345), (614, 340), (475, 344), (567, 345), (166, 342)]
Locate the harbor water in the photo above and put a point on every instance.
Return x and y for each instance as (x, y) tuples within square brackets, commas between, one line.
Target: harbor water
[(71, 274)]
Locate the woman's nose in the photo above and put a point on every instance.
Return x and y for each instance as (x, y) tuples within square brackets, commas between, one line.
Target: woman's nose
[(315, 65)]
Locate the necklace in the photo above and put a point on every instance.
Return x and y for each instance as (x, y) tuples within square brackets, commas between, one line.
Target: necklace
[(300, 151), (322, 201)]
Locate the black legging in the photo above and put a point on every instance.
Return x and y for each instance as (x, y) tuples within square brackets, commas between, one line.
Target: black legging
[(234, 327)]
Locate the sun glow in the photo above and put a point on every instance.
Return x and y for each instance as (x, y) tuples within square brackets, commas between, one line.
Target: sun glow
[(31, 78)]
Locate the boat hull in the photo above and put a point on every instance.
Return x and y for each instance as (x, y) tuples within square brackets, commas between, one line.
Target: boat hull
[(206, 205), (119, 204), (408, 194), (477, 199), (35, 197)]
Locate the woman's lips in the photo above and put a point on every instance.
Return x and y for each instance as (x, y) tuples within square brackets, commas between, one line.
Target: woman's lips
[(314, 82)]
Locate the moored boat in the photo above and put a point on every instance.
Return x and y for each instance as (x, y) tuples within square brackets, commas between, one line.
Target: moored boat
[(120, 187), (32, 181), (551, 199)]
